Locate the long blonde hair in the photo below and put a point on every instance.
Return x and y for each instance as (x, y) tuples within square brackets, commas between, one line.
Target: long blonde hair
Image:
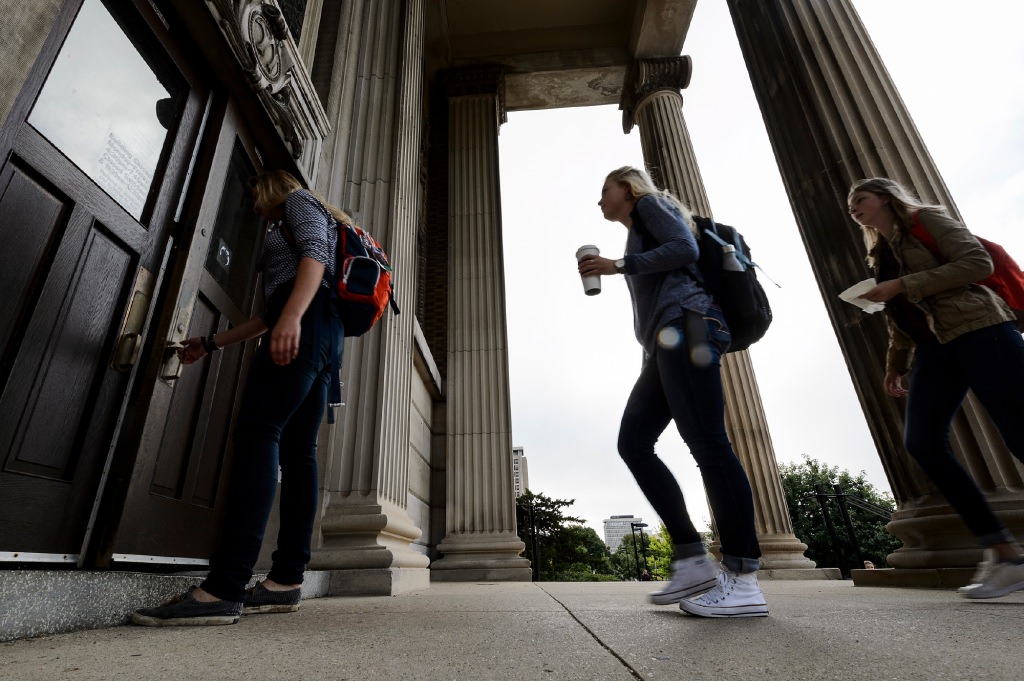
[(641, 185), (271, 187), (902, 201)]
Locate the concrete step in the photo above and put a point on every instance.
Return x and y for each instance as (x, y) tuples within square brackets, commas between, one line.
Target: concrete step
[(37, 602)]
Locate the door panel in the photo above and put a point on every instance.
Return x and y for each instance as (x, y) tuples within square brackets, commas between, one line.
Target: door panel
[(68, 367), (194, 437), (37, 215), (81, 224)]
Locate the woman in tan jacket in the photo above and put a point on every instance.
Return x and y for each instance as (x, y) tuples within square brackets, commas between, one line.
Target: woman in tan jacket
[(950, 334)]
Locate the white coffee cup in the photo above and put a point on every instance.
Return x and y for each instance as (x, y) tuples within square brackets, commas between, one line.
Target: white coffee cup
[(592, 283)]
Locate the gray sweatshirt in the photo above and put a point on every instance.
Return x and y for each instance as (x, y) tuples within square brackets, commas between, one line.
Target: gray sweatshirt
[(659, 281)]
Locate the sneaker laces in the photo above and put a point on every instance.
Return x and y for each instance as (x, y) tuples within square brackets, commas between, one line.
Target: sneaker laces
[(724, 587)]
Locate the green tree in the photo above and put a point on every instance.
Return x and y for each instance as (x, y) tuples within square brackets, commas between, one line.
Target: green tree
[(659, 553), (658, 548), (799, 480), (579, 555), (623, 560), (567, 550)]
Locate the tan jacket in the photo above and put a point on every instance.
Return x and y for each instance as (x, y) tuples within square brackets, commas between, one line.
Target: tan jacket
[(945, 292)]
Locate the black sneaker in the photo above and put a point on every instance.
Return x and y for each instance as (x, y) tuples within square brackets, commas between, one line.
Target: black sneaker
[(261, 599), (184, 610)]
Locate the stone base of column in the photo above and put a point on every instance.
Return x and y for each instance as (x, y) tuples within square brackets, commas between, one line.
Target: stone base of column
[(784, 552), (367, 537), (491, 557), (937, 578), (386, 582), (934, 537), (778, 552)]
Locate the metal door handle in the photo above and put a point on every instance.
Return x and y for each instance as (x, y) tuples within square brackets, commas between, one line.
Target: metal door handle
[(129, 342), (171, 370), (127, 352)]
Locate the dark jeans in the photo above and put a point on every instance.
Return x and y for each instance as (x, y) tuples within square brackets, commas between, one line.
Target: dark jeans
[(278, 422), (989, 361), (671, 387)]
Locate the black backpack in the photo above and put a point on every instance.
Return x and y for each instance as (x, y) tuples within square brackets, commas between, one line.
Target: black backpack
[(736, 290)]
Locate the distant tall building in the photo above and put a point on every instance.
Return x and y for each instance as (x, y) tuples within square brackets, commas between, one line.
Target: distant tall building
[(617, 527), (520, 474)]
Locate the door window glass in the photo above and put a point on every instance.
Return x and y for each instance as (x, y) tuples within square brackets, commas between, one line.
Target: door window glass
[(106, 108), (237, 232)]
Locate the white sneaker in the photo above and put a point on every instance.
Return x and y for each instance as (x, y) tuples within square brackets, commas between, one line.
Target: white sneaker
[(1002, 579), (736, 595), (981, 572), (690, 576)]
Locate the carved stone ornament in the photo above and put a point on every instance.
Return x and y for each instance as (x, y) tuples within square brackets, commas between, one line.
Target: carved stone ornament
[(256, 33), (647, 76)]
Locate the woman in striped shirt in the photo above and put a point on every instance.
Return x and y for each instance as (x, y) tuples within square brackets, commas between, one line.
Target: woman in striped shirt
[(286, 395)]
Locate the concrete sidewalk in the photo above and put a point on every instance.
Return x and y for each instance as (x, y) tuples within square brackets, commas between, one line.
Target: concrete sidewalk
[(817, 630)]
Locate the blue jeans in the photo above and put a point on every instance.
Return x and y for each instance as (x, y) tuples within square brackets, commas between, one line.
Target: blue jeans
[(278, 422), (672, 387), (989, 361)]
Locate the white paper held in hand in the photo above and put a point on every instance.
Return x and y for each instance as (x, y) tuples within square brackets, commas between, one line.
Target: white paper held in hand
[(853, 295)]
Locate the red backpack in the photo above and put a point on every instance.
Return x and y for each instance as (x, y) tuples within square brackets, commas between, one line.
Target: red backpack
[(1007, 280), (362, 277)]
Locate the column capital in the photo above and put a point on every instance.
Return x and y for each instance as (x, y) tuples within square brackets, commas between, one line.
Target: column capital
[(647, 76), (483, 80)]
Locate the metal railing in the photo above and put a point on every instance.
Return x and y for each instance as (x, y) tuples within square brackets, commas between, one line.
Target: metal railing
[(844, 501)]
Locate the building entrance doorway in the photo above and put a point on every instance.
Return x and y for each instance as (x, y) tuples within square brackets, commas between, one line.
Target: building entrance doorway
[(128, 227)]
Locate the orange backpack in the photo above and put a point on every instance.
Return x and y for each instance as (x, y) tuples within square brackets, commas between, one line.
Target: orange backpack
[(1007, 280), (362, 278)]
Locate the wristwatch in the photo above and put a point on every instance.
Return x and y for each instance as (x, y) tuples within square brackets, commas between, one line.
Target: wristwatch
[(620, 265)]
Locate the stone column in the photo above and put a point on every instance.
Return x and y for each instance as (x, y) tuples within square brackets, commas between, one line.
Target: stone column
[(652, 101), (480, 525), (371, 169), (834, 116)]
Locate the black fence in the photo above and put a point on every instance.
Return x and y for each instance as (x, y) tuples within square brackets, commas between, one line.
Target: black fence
[(843, 501)]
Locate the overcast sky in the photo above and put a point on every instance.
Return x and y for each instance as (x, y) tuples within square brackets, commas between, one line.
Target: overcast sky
[(573, 359)]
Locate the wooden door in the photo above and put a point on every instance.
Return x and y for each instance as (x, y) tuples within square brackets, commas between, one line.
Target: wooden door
[(179, 476), (95, 166)]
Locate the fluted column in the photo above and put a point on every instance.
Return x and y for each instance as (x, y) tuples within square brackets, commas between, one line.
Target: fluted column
[(372, 170), (480, 524), (652, 101), (833, 116)]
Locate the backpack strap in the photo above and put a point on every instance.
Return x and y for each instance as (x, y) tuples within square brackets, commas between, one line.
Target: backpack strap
[(711, 229), (289, 238), (391, 300), (649, 242), (921, 233)]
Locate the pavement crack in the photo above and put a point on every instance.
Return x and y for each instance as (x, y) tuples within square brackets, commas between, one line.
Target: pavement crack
[(593, 635)]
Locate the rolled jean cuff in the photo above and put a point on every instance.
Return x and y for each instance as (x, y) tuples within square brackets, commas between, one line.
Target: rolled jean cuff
[(1003, 536), (680, 551), (741, 565)]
